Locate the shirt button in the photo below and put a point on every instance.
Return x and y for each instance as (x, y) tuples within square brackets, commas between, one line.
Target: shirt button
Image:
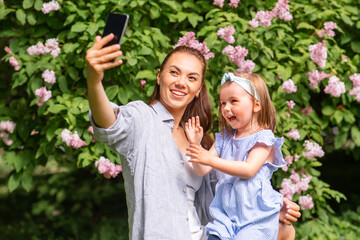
[(184, 190), (182, 162)]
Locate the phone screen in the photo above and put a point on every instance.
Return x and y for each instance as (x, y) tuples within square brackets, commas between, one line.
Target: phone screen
[(116, 24)]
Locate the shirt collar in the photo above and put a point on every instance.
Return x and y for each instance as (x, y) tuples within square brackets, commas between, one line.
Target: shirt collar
[(163, 113)]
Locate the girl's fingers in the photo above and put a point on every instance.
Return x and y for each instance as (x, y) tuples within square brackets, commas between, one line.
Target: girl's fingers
[(197, 121), (290, 218)]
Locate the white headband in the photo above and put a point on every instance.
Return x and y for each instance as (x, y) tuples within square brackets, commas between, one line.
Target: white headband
[(243, 82)]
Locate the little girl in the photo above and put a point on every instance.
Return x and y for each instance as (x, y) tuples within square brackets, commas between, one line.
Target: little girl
[(245, 153)]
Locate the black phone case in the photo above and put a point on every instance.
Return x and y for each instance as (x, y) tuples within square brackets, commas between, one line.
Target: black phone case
[(115, 23)]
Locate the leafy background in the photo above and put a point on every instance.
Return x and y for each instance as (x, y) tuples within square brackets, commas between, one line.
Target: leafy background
[(51, 191)]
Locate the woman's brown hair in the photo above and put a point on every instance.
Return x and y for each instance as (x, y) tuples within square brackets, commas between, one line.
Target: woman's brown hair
[(267, 115), (200, 106)]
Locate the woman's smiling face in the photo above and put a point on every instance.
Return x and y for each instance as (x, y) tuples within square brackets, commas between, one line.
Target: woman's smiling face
[(180, 81)]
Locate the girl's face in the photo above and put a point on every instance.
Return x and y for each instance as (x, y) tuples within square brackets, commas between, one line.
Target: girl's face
[(180, 81), (237, 107)]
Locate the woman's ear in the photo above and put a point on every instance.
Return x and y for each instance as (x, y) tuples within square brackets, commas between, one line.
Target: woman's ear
[(198, 92), (158, 77), (257, 106)]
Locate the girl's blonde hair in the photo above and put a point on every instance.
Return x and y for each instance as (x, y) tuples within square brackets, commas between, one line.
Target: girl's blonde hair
[(266, 117)]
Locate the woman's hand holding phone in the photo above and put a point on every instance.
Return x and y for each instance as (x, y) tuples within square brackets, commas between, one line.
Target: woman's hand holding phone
[(99, 59)]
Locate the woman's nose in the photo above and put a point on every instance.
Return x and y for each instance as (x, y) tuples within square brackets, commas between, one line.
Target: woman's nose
[(181, 81)]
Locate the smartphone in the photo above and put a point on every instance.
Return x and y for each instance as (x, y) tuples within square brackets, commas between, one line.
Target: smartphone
[(115, 23)]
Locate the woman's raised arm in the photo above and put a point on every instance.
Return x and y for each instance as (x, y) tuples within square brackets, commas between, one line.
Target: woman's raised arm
[(99, 59)]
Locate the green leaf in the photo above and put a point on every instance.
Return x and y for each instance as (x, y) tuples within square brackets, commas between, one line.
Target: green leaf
[(328, 110), (30, 68), (145, 74), (355, 135), (20, 79), (70, 47), (304, 25), (21, 16), (56, 108), (28, 4), (194, 19), (92, 29), (112, 91), (14, 181), (62, 82), (145, 51), (50, 133), (38, 5), (73, 73), (355, 46), (123, 96), (340, 139), (69, 19), (18, 163), (338, 115), (31, 18), (79, 27), (26, 181)]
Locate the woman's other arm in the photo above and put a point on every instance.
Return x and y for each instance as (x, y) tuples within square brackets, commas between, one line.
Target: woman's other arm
[(98, 60)]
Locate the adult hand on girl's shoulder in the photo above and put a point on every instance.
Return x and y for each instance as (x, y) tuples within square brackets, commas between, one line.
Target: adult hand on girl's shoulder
[(194, 132), (289, 212), (99, 59)]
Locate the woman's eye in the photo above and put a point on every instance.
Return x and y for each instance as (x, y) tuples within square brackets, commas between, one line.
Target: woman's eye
[(192, 78), (173, 72)]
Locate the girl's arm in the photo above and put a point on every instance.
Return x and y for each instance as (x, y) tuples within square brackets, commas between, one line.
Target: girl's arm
[(194, 133), (256, 158), (98, 60)]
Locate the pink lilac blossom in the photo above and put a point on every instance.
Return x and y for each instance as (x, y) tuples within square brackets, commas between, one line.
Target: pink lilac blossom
[(296, 157), (107, 168), (142, 83), (91, 130), (356, 93), (234, 3), (318, 53), (289, 159), (315, 77), (294, 184), (329, 27), (312, 150), (287, 188), (344, 59), (5, 138), (14, 63), (306, 202), (295, 177), (50, 6), (355, 78), (7, 125), (227, 34), (51, 46), (190, 41), (335, 87), (44, 95), (263, 18), (294, 134), (7, 50), (289, 86), (285, 168), (72, 139), (307, 110), (49, 76), (281, 11), (321, 33), (291, 104), (219, 3), (246, 66)]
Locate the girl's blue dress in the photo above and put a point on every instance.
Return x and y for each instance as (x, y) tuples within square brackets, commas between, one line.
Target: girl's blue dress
[(246, 208)]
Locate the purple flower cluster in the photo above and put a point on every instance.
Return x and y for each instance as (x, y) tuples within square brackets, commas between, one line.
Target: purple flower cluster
[(315, 77), (335, 87), (227, 34), (328, 29), (50, 6), (294, 134), (190, 41), (294, 184), (51, 46), (44, 95), (72, 139), (312, 150), (107, 168), (289, 86), (318, 53), (237, 55), (6, 127), (49, 76), (355, 78), (281, 11)]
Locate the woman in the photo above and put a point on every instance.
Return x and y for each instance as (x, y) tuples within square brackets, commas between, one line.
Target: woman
[(159, 183)]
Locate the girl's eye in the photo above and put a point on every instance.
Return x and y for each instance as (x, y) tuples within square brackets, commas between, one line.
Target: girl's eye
[(233, 101), (223, 103)]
